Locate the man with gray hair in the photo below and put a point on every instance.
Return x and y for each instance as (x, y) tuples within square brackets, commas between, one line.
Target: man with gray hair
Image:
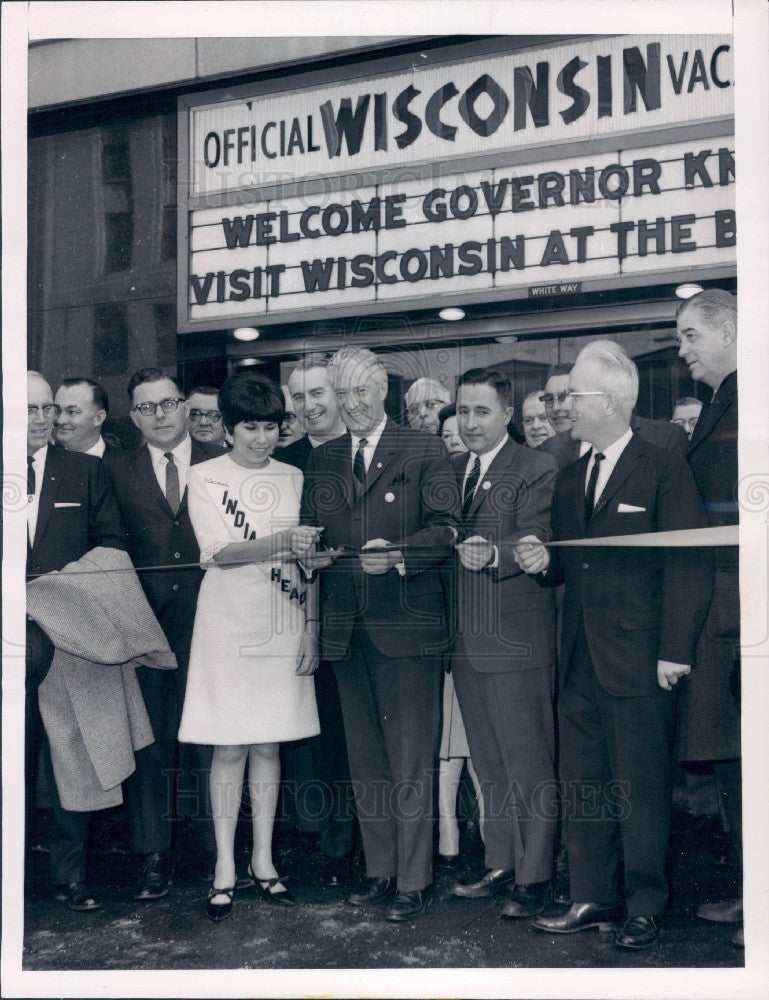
[(384, 499), (631, 620), (424, 400), (709, 708)]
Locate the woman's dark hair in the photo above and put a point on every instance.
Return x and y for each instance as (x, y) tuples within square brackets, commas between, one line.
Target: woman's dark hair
[(247, 397), (444, 414)]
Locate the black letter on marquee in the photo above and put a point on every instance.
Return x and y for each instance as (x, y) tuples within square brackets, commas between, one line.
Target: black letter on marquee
[(699, 73), (346, 124), (714, 67), (237, 231), (642, 77), (410, 120), (485, 85), (580, 97), (726, 228), (433, 110), (694, 166), (725, 165), (526, 94), (603, 64), (555, 250)]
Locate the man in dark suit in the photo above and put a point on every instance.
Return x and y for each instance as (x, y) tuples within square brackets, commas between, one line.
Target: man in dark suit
[(150, 487), (709, 709), (321, 761), (71, 510), (83, 408), (631, 620), (504, 656), (382, 486)]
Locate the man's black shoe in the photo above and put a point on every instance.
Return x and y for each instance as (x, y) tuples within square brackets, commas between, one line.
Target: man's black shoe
[(493, 881), (526, 900), (154, 878), (579, 917), (336, 871), (377, 890), (639, 932), (406, 906), (77, 897)]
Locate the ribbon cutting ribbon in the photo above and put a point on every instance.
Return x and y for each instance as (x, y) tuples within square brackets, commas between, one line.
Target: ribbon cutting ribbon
[(717, 536)]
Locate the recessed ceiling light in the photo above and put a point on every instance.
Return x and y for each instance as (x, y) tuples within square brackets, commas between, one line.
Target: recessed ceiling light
[(688, 289), (452, 314), (507, 338), (248, 362), (245, 333)]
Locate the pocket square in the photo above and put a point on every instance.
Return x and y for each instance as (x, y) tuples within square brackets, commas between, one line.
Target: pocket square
[(400, 480), (628, 508), (68, 505)]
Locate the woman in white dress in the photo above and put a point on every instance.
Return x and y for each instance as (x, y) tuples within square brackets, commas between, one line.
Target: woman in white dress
[(255, 641)]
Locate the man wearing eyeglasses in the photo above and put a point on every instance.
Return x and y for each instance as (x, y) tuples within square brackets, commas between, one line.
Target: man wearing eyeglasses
[(631, 619), (150, 486), (424, 400), (204, 421), (70, 510), (566, 448)]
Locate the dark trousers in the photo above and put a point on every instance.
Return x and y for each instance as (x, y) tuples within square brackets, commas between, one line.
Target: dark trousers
[(391, 718), (330, 764), (615, 763), (170, 778), (510, 732), (70, 829)]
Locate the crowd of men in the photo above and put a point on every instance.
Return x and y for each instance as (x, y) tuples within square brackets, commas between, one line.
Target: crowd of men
[(430, 561)]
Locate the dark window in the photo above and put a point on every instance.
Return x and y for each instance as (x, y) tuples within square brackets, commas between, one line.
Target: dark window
[(118, 237)]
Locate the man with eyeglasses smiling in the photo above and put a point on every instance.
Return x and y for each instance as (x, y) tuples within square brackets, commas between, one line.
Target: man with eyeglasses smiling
[(150, 486), (204, 421), (424, 400)]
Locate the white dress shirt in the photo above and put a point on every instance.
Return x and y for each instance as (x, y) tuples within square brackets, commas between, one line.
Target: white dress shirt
[(97, 448), (182, 456), (33, 506), (606, 467), (372, 439)]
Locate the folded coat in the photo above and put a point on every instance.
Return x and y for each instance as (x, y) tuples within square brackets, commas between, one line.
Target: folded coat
[(90, 702)]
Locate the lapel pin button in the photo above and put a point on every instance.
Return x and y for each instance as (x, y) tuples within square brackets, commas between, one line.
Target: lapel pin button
[(379, 465), (389, 497), (486, 484)]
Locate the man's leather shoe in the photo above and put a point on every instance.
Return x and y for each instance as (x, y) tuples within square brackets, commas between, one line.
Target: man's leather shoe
[(492, 882), (77, 897), (336, 871), (377, 890), (526, 900), (639, 932), (154, 878), (726, 911), (406, 906), (579, 917)]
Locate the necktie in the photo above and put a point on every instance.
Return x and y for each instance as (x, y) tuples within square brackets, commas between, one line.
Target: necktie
[(31, 481), (172, 482), (359, 465), (590, 492), (470, 483)]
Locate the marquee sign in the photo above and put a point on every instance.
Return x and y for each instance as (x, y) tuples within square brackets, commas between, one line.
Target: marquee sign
[(500, 231), (581, 89)]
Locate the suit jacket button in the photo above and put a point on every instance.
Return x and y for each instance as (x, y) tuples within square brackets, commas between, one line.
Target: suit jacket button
[(585, 565), (176, 524), (175, 586), (177, 555)]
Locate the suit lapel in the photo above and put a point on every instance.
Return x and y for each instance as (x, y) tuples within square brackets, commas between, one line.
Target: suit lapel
[(625, 465), (712, 413), (387, 448), (54, 464), (499, 466), (340, 462)]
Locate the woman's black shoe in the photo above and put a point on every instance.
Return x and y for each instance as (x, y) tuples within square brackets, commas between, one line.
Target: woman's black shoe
[(219, 911), (264, 887)]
